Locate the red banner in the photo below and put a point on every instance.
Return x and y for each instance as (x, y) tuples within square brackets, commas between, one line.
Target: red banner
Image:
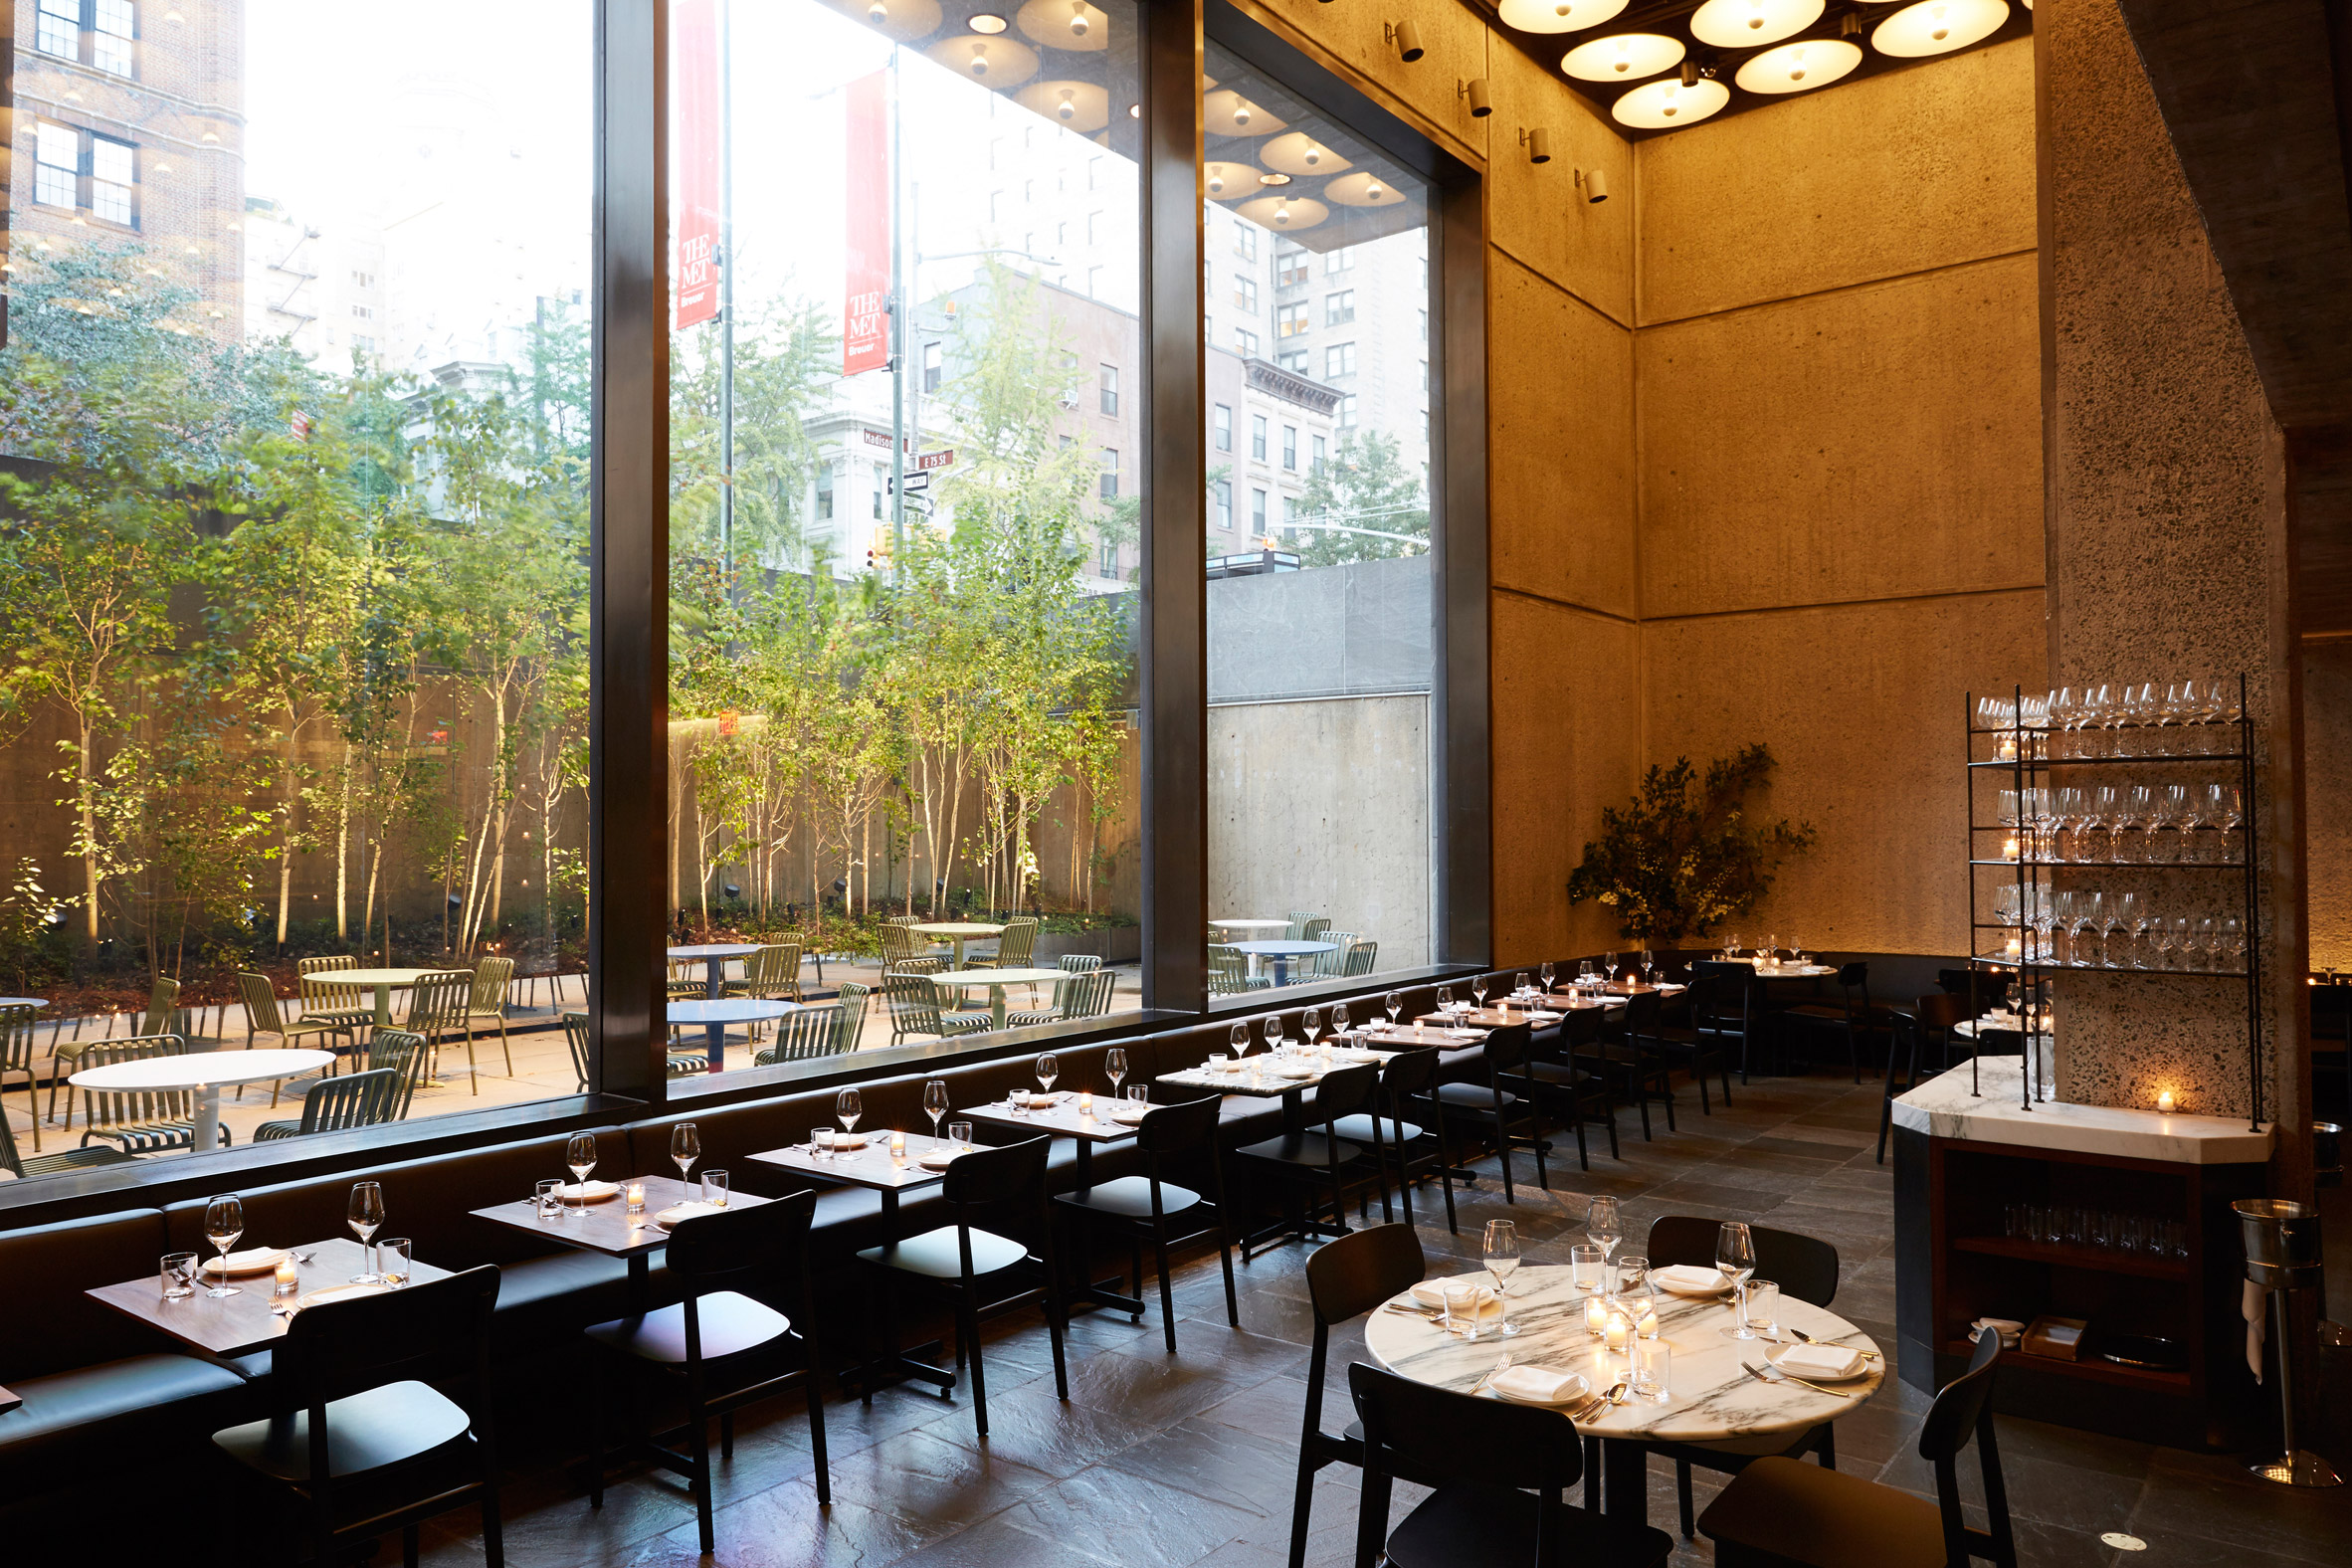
[(694, 26), (866, 321)]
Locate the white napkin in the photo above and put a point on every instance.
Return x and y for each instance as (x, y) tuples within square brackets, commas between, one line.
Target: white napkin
[(1537, 1385), (1689, 1277), (587, 1191), (1465, 1033), (677, 1214), (1820, 1360), (2254, 1308), (253, 1260), (1431, 1292)]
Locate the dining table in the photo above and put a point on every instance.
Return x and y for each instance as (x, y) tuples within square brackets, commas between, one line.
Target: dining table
[(1283, 952), (714, 957), (1714, 1391), (206, 1073), (995, 980), (714, 1016), (959, 932), (23, 1001), (252, 1320), (381, 981), (606, 1225)]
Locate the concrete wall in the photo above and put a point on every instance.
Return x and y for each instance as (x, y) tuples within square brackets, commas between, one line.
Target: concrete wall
[(2327, 764), (1330, 631)]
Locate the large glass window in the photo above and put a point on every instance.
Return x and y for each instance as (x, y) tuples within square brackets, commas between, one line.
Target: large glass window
[(1320, 650), (902, 734), (293, 591)]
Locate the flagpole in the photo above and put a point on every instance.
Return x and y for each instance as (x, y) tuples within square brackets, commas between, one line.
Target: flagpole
[(727, 296)]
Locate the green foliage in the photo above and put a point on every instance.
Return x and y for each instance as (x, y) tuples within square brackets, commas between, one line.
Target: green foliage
[(1675, 864), (1365, 484)]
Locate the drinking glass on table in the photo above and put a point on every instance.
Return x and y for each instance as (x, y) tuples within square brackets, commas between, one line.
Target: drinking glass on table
[(224, 1221), (849, 1106), (1049, 1068), (685, 1147), (1239, 1036), (401, 1258), (1608, 969), (1393, 1004), (1604, 1225), (1462, 1306), (1587, 976), (959, 1133), (1649, 965), (579, 1156), (1274, 1033), (715, 1187), (1636, 1294), (1763, 1309), (1115, 1068), (179, 1276), (1311, 1024), (1519, 986), (1653, 1360), (1735, 1254), (365, 1214), (1340, 1021), (1587, 1266), (935, 1104), (1445, 999), (1502, 1260), (821, 1142), (1545, 971), (1478, 990)]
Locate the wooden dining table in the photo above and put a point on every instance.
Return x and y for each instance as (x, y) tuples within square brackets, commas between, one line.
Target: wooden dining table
[(1712, 1396), (609, 1227), (236, 1326)]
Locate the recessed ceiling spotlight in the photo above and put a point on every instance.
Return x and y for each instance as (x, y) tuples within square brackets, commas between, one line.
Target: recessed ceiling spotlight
[(1134, 112), (1738, 24), (987, 22), (1937, 27), (1628, 56), (1273, 179), (1078, 17)]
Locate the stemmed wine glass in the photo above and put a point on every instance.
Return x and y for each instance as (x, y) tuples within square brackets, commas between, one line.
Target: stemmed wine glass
[(2139, 802), (2072, 812), (1393, 1004), (1239, 1036), (1648, 963), (2114, 916), (2086, 925), (1049, 1068), (2175, 809), (2162, 937), (2097, 819), (2193, 804), (2062, 717), (224, 1222), (2233, 941), (580, 1155), (2144, 928), (1273, 1025), (1115, 1068), (1340, 1021), (1311, 1024), (365, 1216), (1545, 971), (685, 1147), (1735, 1254), (1478, 991), (1445, 999), (1604, 1227), (1502, 1260), (849, 1106), (935, 1104)]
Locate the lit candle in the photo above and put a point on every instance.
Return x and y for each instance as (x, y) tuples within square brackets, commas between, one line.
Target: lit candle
[(1596, 1315), (289, 1276), (897, 1148), (2009, 848), (1646, 1327), (2165, 1102), (1616, 1331), (1085, 1105), (2009, 748), (2011, 950), (637, 1197)]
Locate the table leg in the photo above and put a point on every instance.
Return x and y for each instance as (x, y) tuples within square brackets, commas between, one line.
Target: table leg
[(996, 1010), (716, 970), (869, 1375), (383, 1007), (1281, 972), (641, 1296), (717, 1046), (208, 1117), (1625, 1480)]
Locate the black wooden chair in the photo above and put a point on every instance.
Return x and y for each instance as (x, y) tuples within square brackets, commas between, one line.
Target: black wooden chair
[(1930, 1023), (1406, 1076), (1804, 1267), (1501, 1477), (1495, 1108), (1311, 1165), (953, 1260), (1344, 1279), (1726, 1019), (1778, 1513), (1149, 1208), (1634, 1066), (1573, 1090), (1852, 1016), (365, 1441), (731, 1266)]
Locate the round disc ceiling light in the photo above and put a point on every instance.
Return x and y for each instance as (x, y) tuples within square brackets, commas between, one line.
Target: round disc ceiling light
[(1363, 189), (1063, 24), (1799, 67), (986, 22), (902, 19), (1299, 154), (991, 62), (1937, 27), (1228, 114), (1080, 106), (1738, 24), (1229, 182), (1629, 56), (1557, 16), (1285, 213), (1662, 105)]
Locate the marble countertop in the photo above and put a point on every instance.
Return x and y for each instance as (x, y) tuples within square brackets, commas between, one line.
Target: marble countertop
[(1943, 1108)]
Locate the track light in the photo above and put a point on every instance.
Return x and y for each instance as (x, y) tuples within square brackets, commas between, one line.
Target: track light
[(1406, 37), (1538, 143), (1482, 103)]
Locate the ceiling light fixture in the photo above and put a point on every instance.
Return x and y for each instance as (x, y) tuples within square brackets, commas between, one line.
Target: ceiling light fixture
[(987, 22), (979, 66), (1557, 16), (1275, 179), (1743, 24), (1078, 17), (877, 11), (1628, 56), (1799, 67), (1664, 105), (1937, 27)]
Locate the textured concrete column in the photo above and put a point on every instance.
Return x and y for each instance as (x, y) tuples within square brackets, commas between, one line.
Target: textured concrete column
[(2168, 544)]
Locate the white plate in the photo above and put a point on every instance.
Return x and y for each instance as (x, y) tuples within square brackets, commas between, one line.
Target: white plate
[(588, 1191), (935, 1159), (1860, 1370), (1579, 1390), (1665, 1280), (677, 1214), (1429, 1292), (1128, 1113), (1293, 1071)]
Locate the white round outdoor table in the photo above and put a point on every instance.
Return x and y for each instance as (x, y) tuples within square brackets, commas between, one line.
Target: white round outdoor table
[(1711, 1396), (1283, 952), (718, 1014), (995, 980), (1250, 925), (715, 955), (205, 1071), (383, 981), (23, 1001), (959, 932)]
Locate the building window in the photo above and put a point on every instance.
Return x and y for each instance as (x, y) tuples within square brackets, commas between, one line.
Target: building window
[(1340, 308), (996, 206), (1290, 447), (1244, 293), (1221, 425), (58, 156), (1093, 228), (1292, 360), (1258, 512), (1110, 389), (1341, 261), (1110, 473), (1322, 454), (363, 279), (1223, 490), (1245, 342), (1245, 241), (114, 170), (1094, 282), (362, 312), (933, 369), (1108, 566), (1290, 320), (1347, 412), (1425, 327), (824, 493), (58, 29), (1257, 437), (1289, 269), (112, 27), (1339, 360)]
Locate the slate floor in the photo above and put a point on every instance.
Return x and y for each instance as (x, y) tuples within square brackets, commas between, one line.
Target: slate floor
[(1163, 1461)]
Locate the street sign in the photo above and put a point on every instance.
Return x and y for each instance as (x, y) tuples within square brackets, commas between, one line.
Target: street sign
[(935, 460)]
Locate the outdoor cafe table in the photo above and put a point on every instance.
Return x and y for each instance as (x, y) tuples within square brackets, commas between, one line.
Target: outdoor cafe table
[(716, 1016), (959, 932), (382, 981), (1283, 952), (714, 956), (609, 1227), (1711, 1397), (236, 1326), (205, 1071), (995, 980), (22, 1001)]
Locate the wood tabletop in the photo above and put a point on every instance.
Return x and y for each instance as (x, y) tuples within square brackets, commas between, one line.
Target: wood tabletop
[(870, 1167), (608, 1227), (236, 1324), (1061, 1118)]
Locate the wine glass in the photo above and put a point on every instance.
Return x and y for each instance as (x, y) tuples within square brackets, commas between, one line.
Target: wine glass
[(1478, 990), (2162, 936), (1608, 969), (2143, 929), (685, 1147), (2234, 939), (1519, 986), (1604, 1225), (365, 1214), (2114, 916), (1445, 999), (935, 1104), (1239, 1036), (2086, 925), (1311, 1024), (1273, 1024), (2174, 809), (1649, 965), (1049, 1068), (1341, 1020), (1735, 1254), (1502, 1260), (1115, 1068), (2193, 804), (849, 1106), (2097, 818), (1392, 1002), (224, 1221), (2139, 804), (1545, 971), (2069, 813), (580, 1155)]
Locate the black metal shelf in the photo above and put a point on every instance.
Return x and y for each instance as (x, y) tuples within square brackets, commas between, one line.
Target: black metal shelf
[(2045, 764), (2123, 865)]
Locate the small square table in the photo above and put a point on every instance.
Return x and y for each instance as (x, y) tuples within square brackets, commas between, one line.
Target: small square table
[(1059, 1119), (608, 1228), (239, 1325)]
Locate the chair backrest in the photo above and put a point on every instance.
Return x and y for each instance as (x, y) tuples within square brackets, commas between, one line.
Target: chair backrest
[(1313, 930), (318, 997), (1084, 996), (913, 1004), (898, 943), (1507, 1048), (1229, 970), (852, 1012), (10, 1161), (1943, 1009), (1343, 1091), (1804, 1267), (354, 1099), (1644, 1011), (163, 998), (1719, 994), (423, 1333), (440, 999), (1331, 962), (810, 1032), (492, 977), (1079, 963), (1854, 975), (1439, 1435), (1963, 1407), (1178, 1128), (775, 967), (984, 1177), (755, 1250), (1360, 957), (1017, 942), (1295, 931), (575, 1035), (407, 1052), (133, 1107), (1408, 1073), (16, 1037), (1354, 1273)]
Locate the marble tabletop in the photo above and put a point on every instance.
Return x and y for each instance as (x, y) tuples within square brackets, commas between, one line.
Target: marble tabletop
[(1711, 1397), (1987, 1110), (1254, 1075)]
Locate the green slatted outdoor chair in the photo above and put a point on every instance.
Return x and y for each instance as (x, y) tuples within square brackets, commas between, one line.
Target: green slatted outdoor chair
[(139, 1122), (407, 1054), (686, 1063), (1079, 995), (321, 1001), (902, 949), (852, 1023), (437, 1006), (811, 1032), (1334, 962), (16, 1055), (262, 1017), (51, 1164), (954, 1017), (67, 1060), (1359, 958), (913, 1007), (770, 975), (1079, 963), (1229, 972), (1298, 928), (575, 1035), (486, 1000), (1017, 944), (1313, 930), (335, 1105)]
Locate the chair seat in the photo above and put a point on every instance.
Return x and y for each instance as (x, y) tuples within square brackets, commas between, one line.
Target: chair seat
[(1806, 1515), (935, 1253), (73, 1159), (294, 1028), (349, 1017), (1028, 1019), (1466, 1526), (1473, 1097), (1302, 1148), (682, 1064), (1130, 1198), (1557, 1073), (152, 1137), (272, 1132), (366, 1432), (1358, 1129), (732, 1324)]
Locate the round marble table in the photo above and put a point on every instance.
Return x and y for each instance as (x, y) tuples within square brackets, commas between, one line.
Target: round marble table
[(714, 956), (1711, 1397), (205, 1071), (714, 1016), (1283, 952)]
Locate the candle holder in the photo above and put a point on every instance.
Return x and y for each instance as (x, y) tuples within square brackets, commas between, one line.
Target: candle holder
[(636, 1197)]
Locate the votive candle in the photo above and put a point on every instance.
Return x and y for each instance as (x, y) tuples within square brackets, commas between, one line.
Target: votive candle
[(897, 1148), (1085, 1105), (637, 1197), (2165, 1102), (1616, 1331), (289, 1276), (1596, 1315)]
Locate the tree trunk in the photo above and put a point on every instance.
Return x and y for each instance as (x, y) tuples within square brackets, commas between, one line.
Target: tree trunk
[(90, 845), (344, 854)]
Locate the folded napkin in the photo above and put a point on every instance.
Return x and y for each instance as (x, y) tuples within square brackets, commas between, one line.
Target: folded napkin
[(587, 1191), (679, 1214), (1539, 1016), (253, 1260), (1820, 1360), (1688, 1279), (1431, 1292), (339, 1293), (1538, 1385), (1465, 1033)]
